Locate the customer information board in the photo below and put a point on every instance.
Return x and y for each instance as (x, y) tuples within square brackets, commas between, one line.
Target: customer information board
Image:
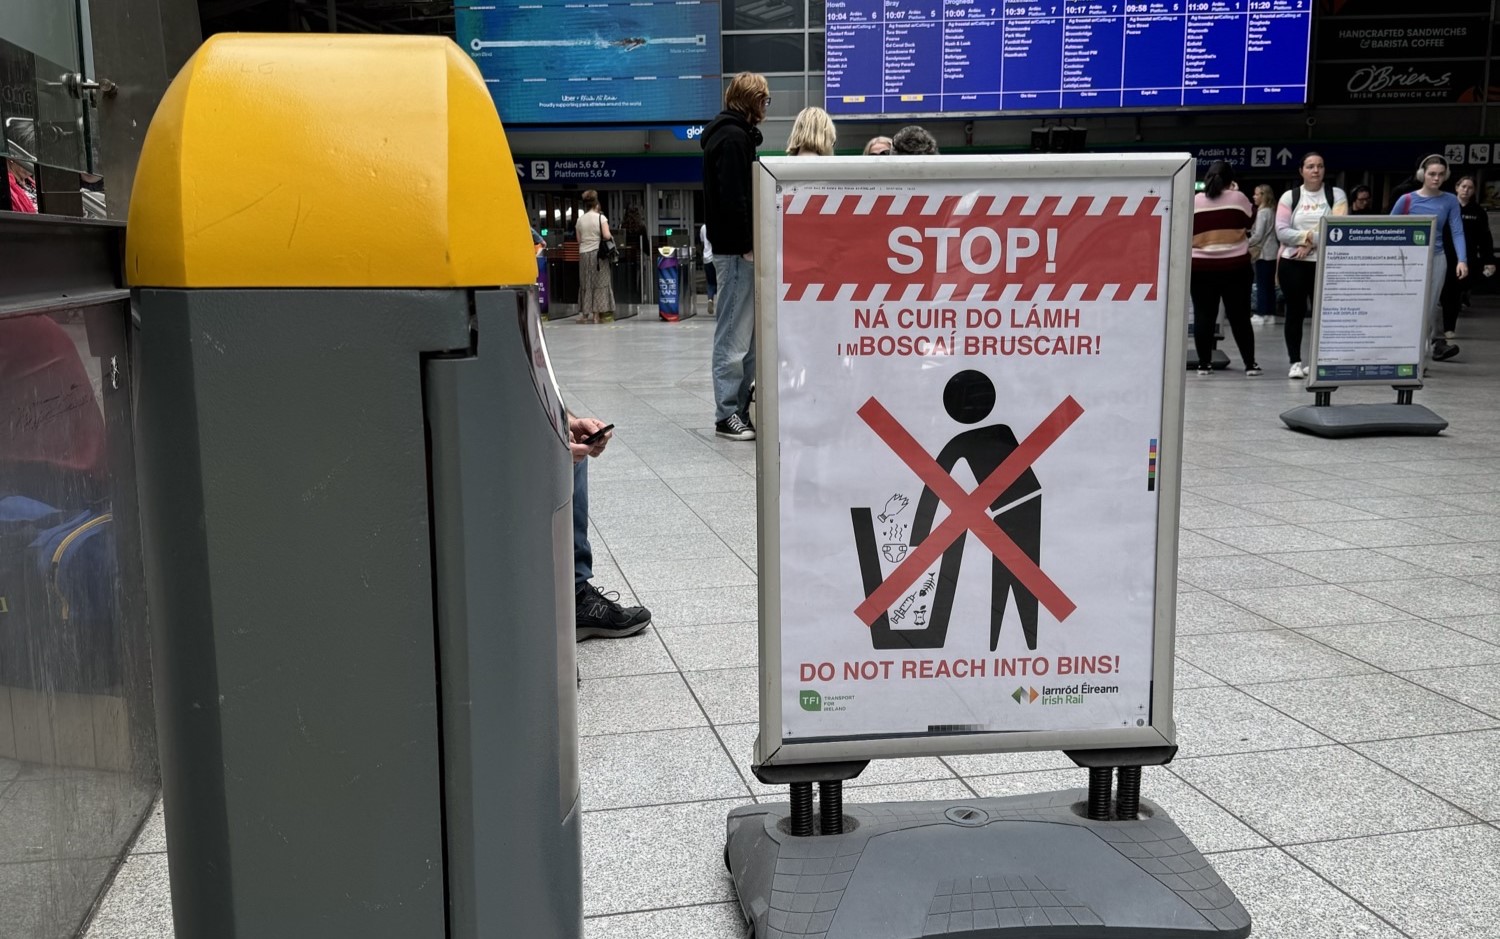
[(968, 451), (1370, 304), (929, 57), (556, 62)]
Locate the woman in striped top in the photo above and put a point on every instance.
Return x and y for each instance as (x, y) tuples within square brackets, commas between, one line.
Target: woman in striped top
[(1221, 267)]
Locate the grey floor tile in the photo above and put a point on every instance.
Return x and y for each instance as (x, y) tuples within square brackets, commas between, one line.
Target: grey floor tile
[(52, 898), (1190, 544), (1265, 655), (1368, 707), (719, 645), (1463, 527), (153, 836), (1434, 596), (664, 574), (1340, 490), (1243, 493), (1288, 901), (641, 654), (1431, 884), (1350, 566), (710, 921), (1237, 571), (1472, 685), (1487, 581), (1405, 507), (659, 856), (728, 695), (1186, 675), (1314, 605), (694, 484), (1310, 510), (688, 765), (1435, 485), (1480, 627), (1210, 514), (1461, 767), (1476, 502), (1201, 613), (1381, 533), (1215, 721), (702, 605), (635, 703), (1265, 539), (632, 552), (1315, 794), (1406, 644), (139, 903), (1452, 560)]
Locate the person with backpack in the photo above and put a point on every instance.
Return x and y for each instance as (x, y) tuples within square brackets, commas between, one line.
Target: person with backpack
[(1430, 199), (1298, 214)]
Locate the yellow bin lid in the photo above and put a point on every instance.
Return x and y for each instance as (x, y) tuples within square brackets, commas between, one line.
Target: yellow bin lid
[(327, 161)]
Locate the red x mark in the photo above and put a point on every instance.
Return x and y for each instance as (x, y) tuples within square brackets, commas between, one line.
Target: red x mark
[(969, 510)]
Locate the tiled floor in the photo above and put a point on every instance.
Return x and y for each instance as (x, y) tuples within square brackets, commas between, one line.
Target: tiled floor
[(1339, 633)]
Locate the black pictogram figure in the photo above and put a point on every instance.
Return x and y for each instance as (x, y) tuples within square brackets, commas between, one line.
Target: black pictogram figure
[(969, 397)]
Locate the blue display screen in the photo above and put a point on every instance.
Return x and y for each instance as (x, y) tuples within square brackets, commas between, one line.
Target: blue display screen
[(624, 62), (928, 57)]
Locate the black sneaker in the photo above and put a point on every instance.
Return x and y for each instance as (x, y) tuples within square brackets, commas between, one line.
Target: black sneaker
[(734, 427), (745, 417), (600, 616), (1443, 350)]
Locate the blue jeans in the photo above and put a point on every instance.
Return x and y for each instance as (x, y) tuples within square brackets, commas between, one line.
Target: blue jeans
[(1265, 287), (583, 552), (734, 335)]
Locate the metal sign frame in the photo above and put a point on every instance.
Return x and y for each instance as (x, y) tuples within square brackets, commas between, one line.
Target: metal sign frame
[(1175, 170), (1314, 383)]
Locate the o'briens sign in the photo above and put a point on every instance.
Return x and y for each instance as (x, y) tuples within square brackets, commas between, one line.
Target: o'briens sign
[(971, 380)]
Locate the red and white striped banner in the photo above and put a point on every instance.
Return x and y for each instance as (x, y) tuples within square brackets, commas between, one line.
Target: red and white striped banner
[(971, 248)]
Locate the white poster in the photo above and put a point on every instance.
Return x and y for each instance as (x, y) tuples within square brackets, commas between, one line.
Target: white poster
[(969, 383), (1372, 295)]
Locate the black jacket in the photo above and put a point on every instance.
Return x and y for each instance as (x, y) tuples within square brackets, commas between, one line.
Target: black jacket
[(729, 143)]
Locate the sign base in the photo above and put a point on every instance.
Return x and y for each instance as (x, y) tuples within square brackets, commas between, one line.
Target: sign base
[(1031, 866), (1364, 420), (1219, 360)]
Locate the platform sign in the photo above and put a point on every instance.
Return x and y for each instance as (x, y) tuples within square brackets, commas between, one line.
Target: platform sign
[(970, 424), (1369, 307)]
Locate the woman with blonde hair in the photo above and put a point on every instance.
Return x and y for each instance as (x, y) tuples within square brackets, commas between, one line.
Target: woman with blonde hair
[(1263, 248), (812, 134), (596, 295)]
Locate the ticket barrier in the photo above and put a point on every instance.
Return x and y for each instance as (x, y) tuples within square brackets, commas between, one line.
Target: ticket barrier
[(357, 500)]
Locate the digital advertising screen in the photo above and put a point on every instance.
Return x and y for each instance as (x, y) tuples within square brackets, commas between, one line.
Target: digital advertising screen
[(551, 62), (953, 57)]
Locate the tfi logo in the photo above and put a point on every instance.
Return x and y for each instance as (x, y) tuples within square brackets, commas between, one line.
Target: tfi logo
[(810, 700)]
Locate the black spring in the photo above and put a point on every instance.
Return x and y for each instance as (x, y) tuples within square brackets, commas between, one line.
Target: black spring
[(1101, 780), (1128, 806), (831, 807), (802, 809)]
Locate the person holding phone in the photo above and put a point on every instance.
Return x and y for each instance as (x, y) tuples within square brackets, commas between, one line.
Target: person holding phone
[(597, 614)]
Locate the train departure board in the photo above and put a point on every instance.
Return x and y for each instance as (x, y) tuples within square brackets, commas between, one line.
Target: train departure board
[(950, 57)]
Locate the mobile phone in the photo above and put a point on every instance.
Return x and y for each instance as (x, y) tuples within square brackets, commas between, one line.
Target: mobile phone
[(598, 435)]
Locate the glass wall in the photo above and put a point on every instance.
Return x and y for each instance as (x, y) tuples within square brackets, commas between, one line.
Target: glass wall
[(45, 111), (77, 744)]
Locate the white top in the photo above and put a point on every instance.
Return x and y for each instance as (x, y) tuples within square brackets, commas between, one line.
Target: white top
[(1293, 229), (708, 247), (590, 226)]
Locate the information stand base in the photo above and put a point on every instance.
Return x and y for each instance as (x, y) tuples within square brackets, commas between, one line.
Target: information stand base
[(1364, 420), (1031, 866), (1220, 359)]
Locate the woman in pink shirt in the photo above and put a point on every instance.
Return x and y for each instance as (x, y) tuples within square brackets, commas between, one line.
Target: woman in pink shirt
[(1221, 267)]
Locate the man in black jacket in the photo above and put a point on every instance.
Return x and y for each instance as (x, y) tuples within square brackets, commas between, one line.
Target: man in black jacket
[(729, 144)]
